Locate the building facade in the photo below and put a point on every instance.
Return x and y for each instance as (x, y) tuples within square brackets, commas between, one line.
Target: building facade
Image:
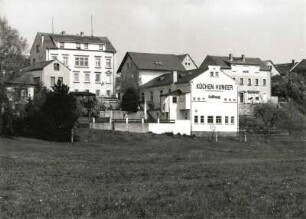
[(206, 99), (46, 73), (253, 76), (91, 60), (137, 69)]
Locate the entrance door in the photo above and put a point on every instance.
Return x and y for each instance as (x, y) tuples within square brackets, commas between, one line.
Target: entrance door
[(241, 97)]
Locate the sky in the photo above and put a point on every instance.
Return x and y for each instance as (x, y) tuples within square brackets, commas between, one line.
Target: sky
[(268, 29)]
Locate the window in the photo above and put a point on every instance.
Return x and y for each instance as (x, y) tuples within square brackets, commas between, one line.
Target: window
[(211, 74), (65, 60), (76, 77), (128, 65), (37, 80), (81, 61), (241, 81), (37, 48), (210, 119), (61, 79), (76, 90), (218, 119), (85, 45), (226, 119), (108, 79), (53, 57), (256, 82), (264, 82), (78, 46), (108, 63), (195, 119), (174, 99), (34, 60), (232, 119), (108, 93), (98, 77), (142, 97), (87, 77), (98, 62), (216, 74), (234, 79), (202, 119), (52, 80), (56, 66), (245, 71), (249, 81), (151, 96), (62, 45), (101, 46), (87, 90), (97, 93)]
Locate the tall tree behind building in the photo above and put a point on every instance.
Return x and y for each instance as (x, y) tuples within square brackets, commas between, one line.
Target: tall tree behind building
[(12, 48)]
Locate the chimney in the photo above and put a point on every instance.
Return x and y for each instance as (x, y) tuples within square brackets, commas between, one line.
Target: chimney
[(230, 57), (243, 57), (42, 41), (293, 61), (82, 33), (174, 76), (63, 32)]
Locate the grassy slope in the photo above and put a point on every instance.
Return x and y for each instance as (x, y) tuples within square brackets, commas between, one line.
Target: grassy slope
[(131, 175)]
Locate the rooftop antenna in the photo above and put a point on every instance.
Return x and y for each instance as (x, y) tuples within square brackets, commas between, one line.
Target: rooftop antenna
[(52, 26), (91, 25)]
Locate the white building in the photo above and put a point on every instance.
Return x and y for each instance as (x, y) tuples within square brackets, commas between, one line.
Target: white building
[(137, 68), (90, 58), (46, 73), (200, 101), (252, 74)]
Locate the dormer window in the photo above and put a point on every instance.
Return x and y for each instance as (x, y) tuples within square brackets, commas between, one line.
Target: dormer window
[(101, 46), (62, 45), (78, 46)]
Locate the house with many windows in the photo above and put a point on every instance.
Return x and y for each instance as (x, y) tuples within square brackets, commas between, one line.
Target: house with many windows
[(196, 102), (252, 74), (91, 60), (137, 68), (46, 73)]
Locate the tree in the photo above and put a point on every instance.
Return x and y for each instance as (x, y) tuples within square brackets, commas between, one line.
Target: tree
[(52, 114), (130, 100), (267, 115), (12, 48)]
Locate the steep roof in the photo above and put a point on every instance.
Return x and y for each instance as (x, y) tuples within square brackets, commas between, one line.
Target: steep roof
[(300, 67), (167, 78), (50, 38), (285, 68), (154, 61), (225, 63), (24, 79), (36, 66)]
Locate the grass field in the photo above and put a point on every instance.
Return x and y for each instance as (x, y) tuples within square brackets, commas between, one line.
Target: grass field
[(121, 175)]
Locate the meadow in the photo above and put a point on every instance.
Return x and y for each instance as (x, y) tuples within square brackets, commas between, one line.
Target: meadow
[(125, 175)]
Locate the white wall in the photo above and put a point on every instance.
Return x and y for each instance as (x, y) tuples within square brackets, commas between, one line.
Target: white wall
[(49, 72), (92, 86), (211, 101), (179, 127)]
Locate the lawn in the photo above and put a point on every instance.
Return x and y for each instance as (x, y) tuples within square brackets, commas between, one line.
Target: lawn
[(125, 175)]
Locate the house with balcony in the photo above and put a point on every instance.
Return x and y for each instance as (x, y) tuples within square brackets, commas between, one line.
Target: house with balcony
[(91, 60)]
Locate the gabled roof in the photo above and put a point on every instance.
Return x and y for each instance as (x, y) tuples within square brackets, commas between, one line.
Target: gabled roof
[(154, 61), (167, 78), (173, 93), (285, 68), (51, 38), (225, 63), (182, 57), (24, 79), (300, 67), (36, 66)]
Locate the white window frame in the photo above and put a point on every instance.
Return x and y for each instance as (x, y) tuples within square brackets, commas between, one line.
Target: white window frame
[(76, 73), (87, 77)]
